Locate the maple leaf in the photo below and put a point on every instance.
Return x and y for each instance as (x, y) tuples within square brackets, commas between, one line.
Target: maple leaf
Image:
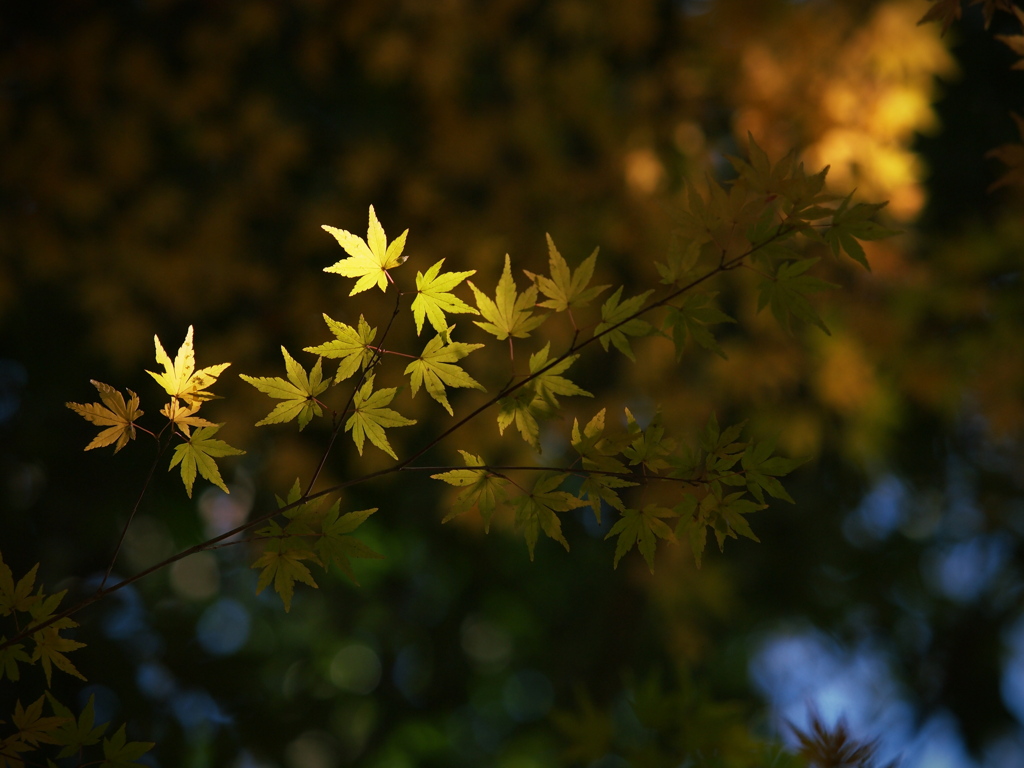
[(119, 753), (511, 313), (336, 546), (946, 11), (617, 322), (483, 489), (641, 528), (370, 417), (198, 453), (16, 597), (298, 393), (566, 289), (520, 408), (50, 646), (761, 470), (850, 224), (598, 453), (435, 369), (787, 293), (549, 383), (369, 259), (692, 318), (183, 416), (115, 414), (281, 562), (180, 378), (434, 298), (351, 345), (537, 510), (10, 657), (33, 728), (76, 734), (648, 446)]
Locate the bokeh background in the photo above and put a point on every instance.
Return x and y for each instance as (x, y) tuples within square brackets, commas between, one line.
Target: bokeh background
[(168, 163)]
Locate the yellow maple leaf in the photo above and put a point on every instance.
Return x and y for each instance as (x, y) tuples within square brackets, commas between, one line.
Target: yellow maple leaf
[(114, 413), (369, 259), (180, 378)]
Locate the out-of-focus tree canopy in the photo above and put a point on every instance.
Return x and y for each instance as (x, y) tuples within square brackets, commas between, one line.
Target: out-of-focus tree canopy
[(168, 164)]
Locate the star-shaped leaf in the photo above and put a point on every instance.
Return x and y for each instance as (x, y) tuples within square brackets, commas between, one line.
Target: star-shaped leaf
[(435, 369), (641, 528), (50, 646), (483, 489), (198, 455), (549, 384), (538, 510), (336, 546), (282, 564), (371, 417), (16, 597), (351, 345), (434, 297), (616, 326), (853, 223), (33, 728), (115, 414), (566, 289), (787, 294), (119, 753), (183, 416), (511, 313), (298, 394), (76, 734), (180, 378), (369, 259)]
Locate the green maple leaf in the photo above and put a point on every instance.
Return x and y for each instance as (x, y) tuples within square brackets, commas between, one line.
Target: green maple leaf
[(538, 510), (434, 297), (16, 597), (10, 657), (850, 224), (519, 408), (761, 470), (115, 414), (511, 313), (198, 455), (33, 728), (119, 753), (483, 489), (351, 345), (648, 446), (549, 383), (370, 417), (566, 289), (599, 453), (787, 294), (617, 322), (336, 546), (641, 528), (298, 393), (692, 318), (435, 369), (76, 734), (180, 379), (50, 646), (369, 259), (282, 564)]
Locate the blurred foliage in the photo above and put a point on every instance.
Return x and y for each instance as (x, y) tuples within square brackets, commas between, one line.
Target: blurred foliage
[(170, 163)]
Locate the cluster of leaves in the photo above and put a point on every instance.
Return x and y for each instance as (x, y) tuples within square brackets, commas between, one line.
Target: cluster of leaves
[(33, 615), (666, 725), (765, 220)]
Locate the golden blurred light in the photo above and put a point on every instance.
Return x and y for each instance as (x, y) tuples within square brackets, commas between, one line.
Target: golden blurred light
[(643, 170)]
